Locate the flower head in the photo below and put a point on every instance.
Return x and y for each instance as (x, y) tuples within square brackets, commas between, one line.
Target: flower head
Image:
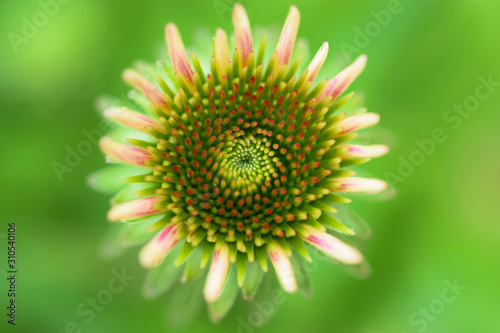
[(239, 165)]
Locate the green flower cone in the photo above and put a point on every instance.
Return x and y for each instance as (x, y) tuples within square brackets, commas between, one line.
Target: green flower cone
[(229, 174)]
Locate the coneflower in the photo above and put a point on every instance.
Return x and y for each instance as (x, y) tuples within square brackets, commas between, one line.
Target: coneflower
[(239, 165)]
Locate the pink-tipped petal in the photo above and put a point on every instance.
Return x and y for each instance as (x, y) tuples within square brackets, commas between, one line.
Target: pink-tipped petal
[(332, 246), (287, 38), (124, 153), (343, 80), (360, 185), (217, 274), (359, 121), (137, 208), (178, 55), (153, 253), (221, 52), (149, 90), (283, 267), (359, 151), (317, 62), (133, 119), (243, 33)]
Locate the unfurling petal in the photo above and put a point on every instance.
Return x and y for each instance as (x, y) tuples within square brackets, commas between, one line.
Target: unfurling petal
[(124, 153), (221, 52), (153, 253), (178, 55), (356, 122), (359, 151), (332, 246), (217, 274), (137, 208), (282, 266), (243, 33), (133, 119), (360, 185), (149, 90), (317, 62), (341, 82), (287, 38)]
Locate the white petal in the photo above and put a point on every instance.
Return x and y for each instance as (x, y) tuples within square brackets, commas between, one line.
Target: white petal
[(332, 246), (217, 274), (153, 253), (283, 267)]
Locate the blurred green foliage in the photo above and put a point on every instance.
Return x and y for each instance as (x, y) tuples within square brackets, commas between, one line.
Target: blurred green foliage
[(441, 225)]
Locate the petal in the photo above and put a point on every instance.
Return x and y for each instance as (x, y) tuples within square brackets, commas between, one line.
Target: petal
[(133, 119), (149, 90), (243, 33), (217, 273), (287, 38), (282, 266), (124, 153), (359, 151), (221, 52), (153, 253), (341, 82), (317, 62), (137, 208), (332, 246), (178, 55), (356, 122), (360, 185)]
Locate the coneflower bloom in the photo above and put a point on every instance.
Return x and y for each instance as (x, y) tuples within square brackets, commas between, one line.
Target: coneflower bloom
[(238, 165)]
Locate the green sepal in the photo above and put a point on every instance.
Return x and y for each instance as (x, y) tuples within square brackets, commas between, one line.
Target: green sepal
[(284, 246), (137, 233), (146, 192), (185, 252), (185, 302), (139, 143), (218, 309), (302, 276), (127, 193), (354, 161), (241, 262), (161, 223), (261, 254), (250, 251), (208, 248), (341, 102), (345, 138), (335, 198), (141, 100), (324, 207), (315, 224), (262, 50), (198, 69), (271, 294), (109, 180), (253, 278), (331, 222), (137, 179), (293, 68), (233, 252), (353, 221), (341, 173), (164, 86), (193, 269), (298, 245), (302, 47)]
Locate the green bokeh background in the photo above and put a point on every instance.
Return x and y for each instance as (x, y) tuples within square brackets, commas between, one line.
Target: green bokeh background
[(441, 225)]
